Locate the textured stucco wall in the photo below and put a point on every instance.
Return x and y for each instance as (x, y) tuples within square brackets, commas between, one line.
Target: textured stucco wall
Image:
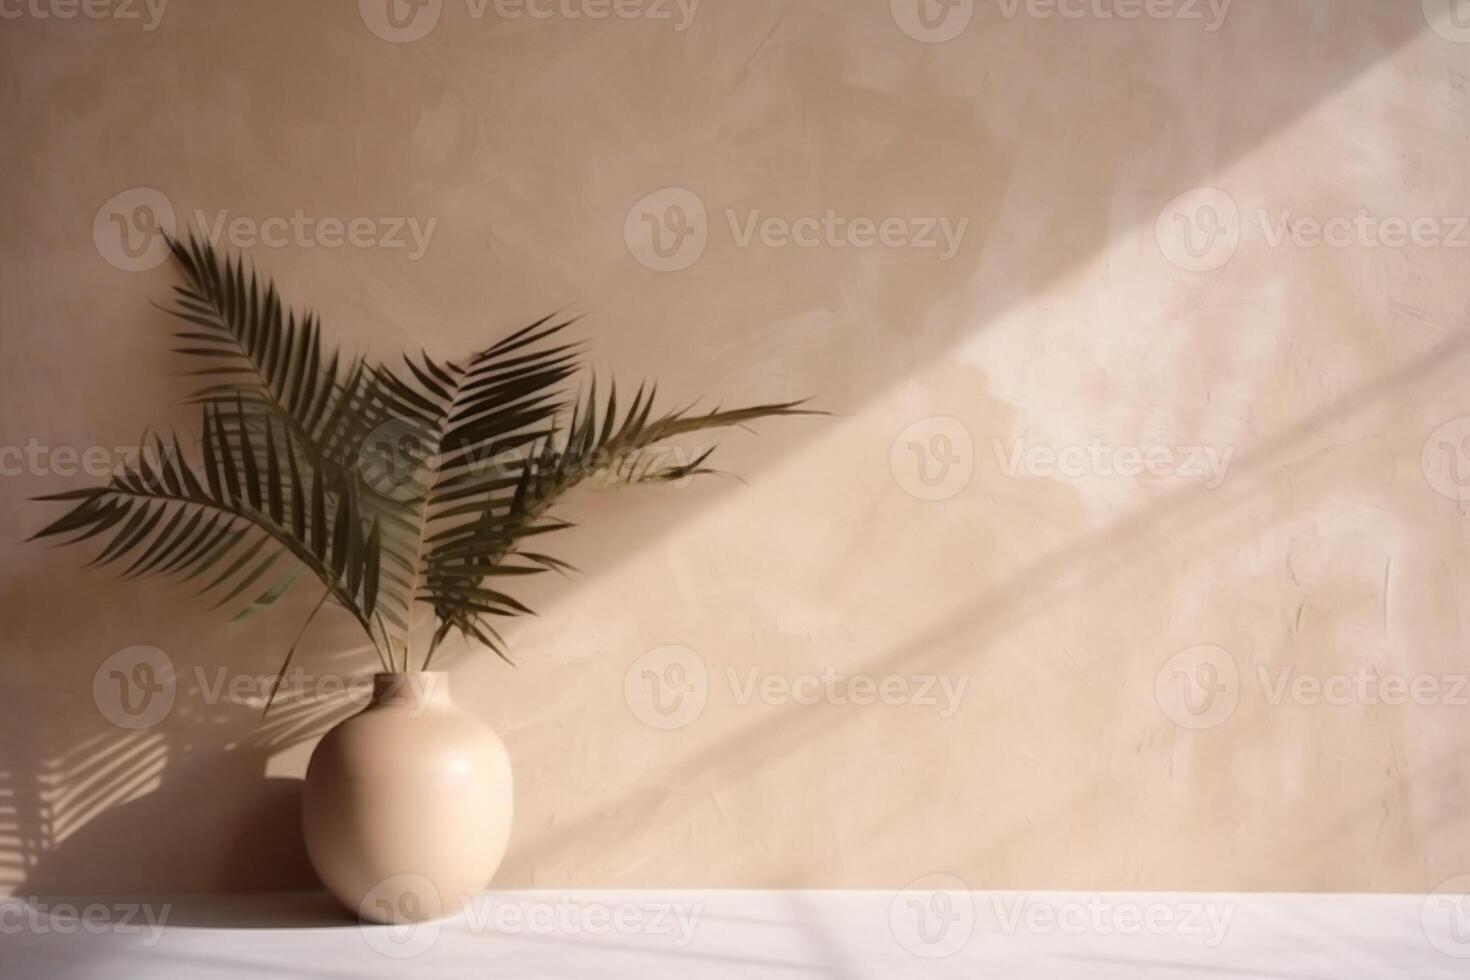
[(1087, 661)]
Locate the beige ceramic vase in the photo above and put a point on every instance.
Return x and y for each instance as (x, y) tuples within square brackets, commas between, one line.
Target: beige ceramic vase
[(407, 805)]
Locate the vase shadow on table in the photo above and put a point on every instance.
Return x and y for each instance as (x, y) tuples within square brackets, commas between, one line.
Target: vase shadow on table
[(184, 809)]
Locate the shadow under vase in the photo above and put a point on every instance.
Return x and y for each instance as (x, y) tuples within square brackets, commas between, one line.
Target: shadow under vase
[(214, 823)]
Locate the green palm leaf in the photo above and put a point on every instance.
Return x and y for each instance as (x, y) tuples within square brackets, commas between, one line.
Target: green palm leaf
[(255, 351), (467, 429), (268, 369), (230, 522), (596, 442)]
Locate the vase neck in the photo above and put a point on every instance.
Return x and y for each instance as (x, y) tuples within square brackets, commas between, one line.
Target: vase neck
[(423, 689)]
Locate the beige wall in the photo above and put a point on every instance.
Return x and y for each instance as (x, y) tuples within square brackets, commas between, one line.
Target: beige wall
[(1065, 610)]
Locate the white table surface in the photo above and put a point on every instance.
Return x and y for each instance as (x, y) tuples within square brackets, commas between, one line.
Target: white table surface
[(920, 932)]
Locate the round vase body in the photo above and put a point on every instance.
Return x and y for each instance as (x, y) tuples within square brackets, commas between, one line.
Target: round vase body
[(407, 805)]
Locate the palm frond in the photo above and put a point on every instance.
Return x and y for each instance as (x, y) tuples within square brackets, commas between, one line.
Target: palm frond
[(266, 365), (252, 349), (596, 442), (230, 519), (467, 432)]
